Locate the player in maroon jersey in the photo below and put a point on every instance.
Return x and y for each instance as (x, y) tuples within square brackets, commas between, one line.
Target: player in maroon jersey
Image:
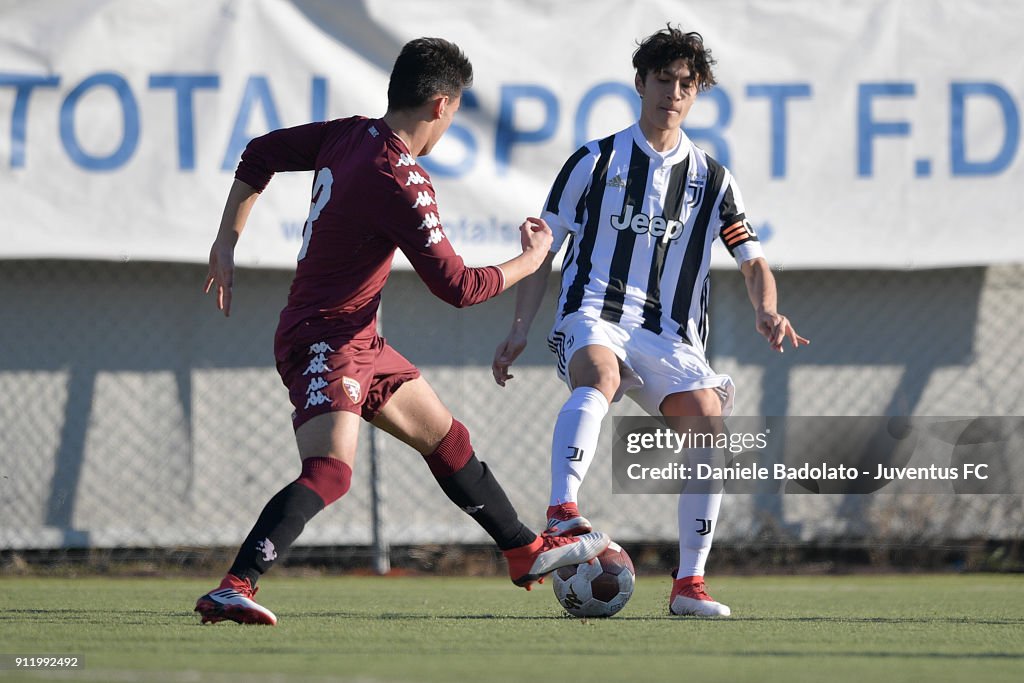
[(370, 197)]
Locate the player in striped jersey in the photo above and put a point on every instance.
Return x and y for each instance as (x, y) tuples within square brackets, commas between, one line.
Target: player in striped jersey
[(641, 209)]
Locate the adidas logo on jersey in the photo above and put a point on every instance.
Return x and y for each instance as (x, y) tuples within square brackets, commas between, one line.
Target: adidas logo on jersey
[(640, 223), (617, 181)]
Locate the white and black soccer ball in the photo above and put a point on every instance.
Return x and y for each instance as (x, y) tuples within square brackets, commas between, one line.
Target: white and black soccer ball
[(598, 588)]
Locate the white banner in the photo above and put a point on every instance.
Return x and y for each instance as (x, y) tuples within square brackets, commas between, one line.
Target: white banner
[(867, 133)]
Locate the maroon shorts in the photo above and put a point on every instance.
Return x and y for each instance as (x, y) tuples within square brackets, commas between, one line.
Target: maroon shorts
[(357, 376)]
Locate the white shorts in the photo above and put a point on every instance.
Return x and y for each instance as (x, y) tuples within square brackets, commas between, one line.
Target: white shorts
[(650, 366)]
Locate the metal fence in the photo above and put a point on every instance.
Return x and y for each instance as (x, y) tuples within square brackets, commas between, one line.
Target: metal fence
[(133, 415)]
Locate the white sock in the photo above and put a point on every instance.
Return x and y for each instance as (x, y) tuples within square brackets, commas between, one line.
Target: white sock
[(698, 517), (574, 442)]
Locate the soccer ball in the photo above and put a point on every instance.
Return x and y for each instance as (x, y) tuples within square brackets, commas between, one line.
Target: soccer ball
[(599, 588)]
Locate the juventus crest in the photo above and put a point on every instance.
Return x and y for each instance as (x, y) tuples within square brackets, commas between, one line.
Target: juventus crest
[(695, 189)]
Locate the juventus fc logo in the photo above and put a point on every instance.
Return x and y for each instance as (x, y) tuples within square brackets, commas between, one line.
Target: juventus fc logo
[(695, 188), (577, 454), (705, 527)]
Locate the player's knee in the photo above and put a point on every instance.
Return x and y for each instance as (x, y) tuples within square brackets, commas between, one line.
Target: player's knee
[(604, 377), (587, 400), (701, 403), (329, 478), (452, 453)]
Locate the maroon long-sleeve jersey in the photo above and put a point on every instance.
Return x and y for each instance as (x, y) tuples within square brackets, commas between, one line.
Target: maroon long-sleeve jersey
[(369, 197)]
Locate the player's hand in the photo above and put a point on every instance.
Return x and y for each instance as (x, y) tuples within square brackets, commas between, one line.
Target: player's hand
[(776, 329), (222, 274), (505, 355), (534, 233)]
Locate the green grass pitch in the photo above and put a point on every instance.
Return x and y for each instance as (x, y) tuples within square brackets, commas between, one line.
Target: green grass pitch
[(863, 628)]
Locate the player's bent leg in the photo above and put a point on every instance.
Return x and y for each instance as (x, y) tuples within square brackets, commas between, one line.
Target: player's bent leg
[(417, 417), (594, 373), (327, 444), (414, 415)]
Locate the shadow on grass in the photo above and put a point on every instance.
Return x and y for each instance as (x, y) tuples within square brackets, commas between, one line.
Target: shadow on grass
[(389, 616), (879, 654)]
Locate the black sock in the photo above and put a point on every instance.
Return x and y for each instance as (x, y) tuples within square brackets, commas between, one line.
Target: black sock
[(474, 489), (280, 523)]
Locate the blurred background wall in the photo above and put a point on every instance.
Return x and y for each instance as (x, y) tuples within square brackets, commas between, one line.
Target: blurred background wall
[(881, 171)]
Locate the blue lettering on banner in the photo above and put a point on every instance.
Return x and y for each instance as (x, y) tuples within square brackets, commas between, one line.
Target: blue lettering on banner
[(868, 128), (983, 140), (318, 99), (130, 119), (23, 85), (257, 91), (507, 135), (778, 94), (183, 86), (959, 163)]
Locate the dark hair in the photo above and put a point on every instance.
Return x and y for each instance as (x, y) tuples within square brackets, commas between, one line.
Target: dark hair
[(659, 50), (427, 67)]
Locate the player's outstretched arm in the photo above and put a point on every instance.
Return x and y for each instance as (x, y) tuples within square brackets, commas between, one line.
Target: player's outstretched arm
[(221, 272), (535, 237), (763, 294), (529, 295)]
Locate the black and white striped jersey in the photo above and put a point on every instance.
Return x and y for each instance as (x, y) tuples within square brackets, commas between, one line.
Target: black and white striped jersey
[(640, 225)]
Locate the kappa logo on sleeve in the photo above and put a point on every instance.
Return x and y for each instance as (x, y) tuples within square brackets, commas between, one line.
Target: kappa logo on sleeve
[(432, 225), (430, 221), (415, 179), (423, 198), (405, 160), (435, 236)]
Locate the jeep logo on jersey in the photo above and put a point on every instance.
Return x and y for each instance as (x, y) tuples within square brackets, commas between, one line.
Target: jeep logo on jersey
[(640, 223)]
